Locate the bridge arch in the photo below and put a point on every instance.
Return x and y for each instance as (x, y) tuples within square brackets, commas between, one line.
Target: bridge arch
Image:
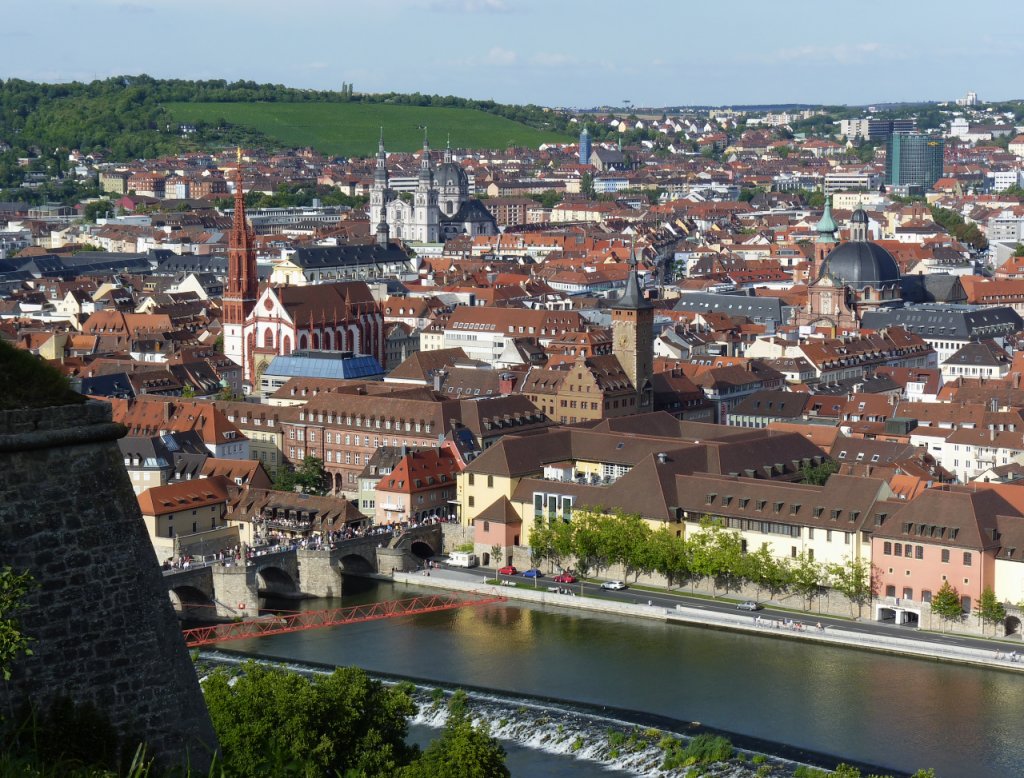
[(274, 580), (192, 603), (421, 549), (357, 563)]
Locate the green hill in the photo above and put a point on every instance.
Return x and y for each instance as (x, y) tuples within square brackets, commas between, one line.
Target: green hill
[(352, 129)]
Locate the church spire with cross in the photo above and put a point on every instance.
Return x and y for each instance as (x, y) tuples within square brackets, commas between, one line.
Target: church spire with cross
[(242, 286)]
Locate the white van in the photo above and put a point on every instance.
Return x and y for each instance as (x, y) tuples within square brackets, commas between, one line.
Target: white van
[(462, 559)]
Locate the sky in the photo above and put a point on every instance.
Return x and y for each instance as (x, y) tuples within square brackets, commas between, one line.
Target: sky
[(564, 53)]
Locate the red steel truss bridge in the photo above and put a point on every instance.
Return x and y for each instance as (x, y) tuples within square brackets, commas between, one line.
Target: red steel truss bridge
[(354, 614)]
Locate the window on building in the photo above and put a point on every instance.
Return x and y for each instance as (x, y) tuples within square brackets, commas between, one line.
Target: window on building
[(887, 548), (490, 482), (967, 558), (945, 555)]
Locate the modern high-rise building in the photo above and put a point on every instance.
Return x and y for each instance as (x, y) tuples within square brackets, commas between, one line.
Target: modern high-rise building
[(913, 159), (882, 129), (584, 147)]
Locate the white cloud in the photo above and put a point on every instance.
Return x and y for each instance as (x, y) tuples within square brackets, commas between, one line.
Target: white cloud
[(500, 56), (840, 53), (550, 59)]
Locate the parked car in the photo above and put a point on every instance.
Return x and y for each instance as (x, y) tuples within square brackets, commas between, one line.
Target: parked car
[(565, 578), (508, 570), (533, 572), (614, 585), (749, 605)]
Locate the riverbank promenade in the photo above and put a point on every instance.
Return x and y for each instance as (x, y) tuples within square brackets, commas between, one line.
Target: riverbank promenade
[(722, 614)]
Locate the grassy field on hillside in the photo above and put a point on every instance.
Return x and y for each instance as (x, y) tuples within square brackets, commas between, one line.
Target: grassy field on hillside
[(352, 129)]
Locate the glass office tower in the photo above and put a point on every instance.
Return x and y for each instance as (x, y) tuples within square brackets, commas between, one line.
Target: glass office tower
[(913, 159)]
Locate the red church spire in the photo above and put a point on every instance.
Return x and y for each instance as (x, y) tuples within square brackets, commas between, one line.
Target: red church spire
[(242, 286)]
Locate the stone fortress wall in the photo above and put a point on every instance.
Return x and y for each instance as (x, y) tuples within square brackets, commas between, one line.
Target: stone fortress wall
[(102, 626)]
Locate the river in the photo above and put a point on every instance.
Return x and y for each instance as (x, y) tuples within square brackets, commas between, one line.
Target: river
[(896, 712)]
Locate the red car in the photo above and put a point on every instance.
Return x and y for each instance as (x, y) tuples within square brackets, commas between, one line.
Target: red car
[(508, 570), (565, 578)]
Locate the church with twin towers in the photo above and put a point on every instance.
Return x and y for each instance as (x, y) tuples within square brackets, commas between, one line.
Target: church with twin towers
[(440, 207)]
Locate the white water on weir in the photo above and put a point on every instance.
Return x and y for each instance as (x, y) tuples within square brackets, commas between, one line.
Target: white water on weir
[(608, 742)]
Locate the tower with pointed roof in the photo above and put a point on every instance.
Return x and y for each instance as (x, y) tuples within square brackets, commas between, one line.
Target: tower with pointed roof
[(380, 192), (440, 206), (826, 239), (242, 286), (425, 215), (633, 336)]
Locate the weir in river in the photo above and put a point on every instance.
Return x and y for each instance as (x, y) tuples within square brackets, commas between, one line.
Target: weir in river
[(895, 712)]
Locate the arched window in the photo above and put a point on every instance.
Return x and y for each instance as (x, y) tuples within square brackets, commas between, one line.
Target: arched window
[(268, 339), (328, 340), (316, 342), (303, 341), (286, 343)]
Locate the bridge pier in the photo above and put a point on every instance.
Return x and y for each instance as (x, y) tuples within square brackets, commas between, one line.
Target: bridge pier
[(396, 559), (319, 573), (235, 590)]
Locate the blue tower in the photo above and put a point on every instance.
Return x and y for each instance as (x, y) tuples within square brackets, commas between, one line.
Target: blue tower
[(584, 147)]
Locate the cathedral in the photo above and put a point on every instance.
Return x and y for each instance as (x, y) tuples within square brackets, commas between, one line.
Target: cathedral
[(440, 208), (260, 324), (849, 279)]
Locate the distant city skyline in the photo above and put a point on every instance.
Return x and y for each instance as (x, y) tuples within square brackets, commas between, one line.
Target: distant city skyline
[(528, 51)]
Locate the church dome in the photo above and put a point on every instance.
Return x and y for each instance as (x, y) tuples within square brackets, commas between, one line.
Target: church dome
[(450, 174), (860, 263)]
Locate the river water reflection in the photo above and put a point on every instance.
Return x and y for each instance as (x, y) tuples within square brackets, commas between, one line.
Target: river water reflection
[(893, 711)]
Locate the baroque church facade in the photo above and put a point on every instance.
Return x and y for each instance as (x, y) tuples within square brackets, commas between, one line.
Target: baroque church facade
[(261, 323), (850, 279), (440, 207)]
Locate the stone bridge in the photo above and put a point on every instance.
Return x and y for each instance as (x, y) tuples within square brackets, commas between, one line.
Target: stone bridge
[(213, 590)]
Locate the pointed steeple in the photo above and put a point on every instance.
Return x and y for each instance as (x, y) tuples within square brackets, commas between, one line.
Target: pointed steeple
[(631, 298), (448, 150), (242, 285), (380, 173), (426, 173), (826, 228)]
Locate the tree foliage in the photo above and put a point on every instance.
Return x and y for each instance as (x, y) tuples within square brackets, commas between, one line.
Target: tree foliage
[(946, 603), (587, 185), (464, 750), (13, 642), (955, 225), (272, 722), (308, 478), (989, 609), (855, 579), (28, 382), (768, 572), (817, 475), (808, 578)]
